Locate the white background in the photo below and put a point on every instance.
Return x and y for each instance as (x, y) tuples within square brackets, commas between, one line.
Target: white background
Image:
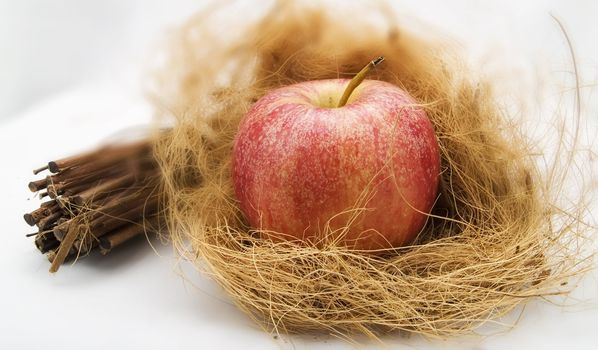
[(70, 67)]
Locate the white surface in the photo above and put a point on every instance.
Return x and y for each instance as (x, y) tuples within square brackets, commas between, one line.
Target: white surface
[(135, 299), (49, 46)]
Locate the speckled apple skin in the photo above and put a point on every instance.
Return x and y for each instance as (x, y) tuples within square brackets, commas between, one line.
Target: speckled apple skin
[(296, 165)]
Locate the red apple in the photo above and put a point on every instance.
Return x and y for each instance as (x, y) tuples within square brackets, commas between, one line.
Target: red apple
[(300, 163)]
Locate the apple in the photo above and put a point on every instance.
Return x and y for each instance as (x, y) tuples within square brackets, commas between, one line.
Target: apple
[(301, 164)]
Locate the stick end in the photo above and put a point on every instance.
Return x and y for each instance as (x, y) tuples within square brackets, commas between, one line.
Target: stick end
[(39, 170), (377, 61), (29, 219), (105, 246), (53, 167), (33, 186)]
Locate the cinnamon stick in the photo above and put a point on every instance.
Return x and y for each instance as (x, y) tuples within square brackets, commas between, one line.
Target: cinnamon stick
[(35, 216), (114, 153), (132, 198), (51, 255), (55, 190), (102, 190), (64, 248), (61, 229), (39, 170), (83, 246), (47, 221), (35, 186), (48, 203), (46, 208), (101, 227), (45, 242), (120, 236)]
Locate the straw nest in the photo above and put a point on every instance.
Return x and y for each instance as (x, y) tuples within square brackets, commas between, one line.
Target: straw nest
[(494, 240)]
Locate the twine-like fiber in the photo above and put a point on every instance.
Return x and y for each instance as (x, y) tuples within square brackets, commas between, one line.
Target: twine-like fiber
[(493, 241)]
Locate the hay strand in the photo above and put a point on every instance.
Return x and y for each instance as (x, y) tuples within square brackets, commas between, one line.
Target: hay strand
[(495, 239)]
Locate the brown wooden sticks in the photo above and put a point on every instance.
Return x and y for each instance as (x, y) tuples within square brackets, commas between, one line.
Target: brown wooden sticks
[(100, 200)]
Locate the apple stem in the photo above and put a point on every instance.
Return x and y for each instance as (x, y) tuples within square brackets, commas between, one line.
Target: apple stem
[(357, 79)]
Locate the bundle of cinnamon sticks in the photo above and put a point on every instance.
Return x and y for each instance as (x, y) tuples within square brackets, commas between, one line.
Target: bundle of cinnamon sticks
[(97, 201)]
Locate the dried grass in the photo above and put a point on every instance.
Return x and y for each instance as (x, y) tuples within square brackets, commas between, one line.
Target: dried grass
[(494, 240)]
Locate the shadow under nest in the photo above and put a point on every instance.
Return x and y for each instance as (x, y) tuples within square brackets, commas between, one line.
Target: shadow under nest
[(494, 239)]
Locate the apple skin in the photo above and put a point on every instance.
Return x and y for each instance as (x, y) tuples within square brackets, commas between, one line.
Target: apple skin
[(299, 163)]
